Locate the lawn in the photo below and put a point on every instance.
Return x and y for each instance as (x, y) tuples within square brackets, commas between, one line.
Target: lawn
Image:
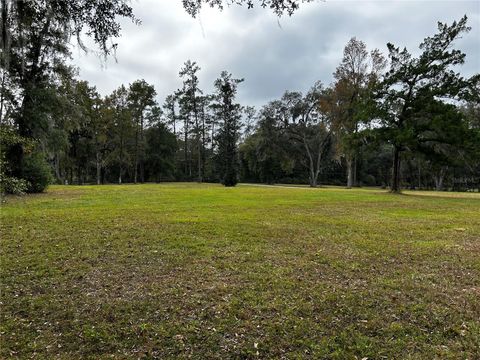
[(202, 271)]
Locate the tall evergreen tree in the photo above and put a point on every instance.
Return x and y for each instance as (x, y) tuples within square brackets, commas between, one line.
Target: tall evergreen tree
[(170, 108), (190, 104), (228, 113), (249, 118)]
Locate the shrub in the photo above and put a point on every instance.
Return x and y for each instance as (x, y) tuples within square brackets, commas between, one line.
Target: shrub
[(12, 185), (230, 178), (37, 172), (8, 183), (370, 180)]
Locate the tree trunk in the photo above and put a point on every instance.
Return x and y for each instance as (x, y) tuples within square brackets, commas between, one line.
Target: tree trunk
[(199, 162), (2, 90), (213, 135), (312, 177), (136, 157), (311, 167), (99, 167), (419, 176), (349, 172), (142, 154), (121, 159), (135, 172), (439, 179), (203, 139), (6, 53), (354, 172), (396, 170), (313, 180), (197, 136), (185, 144), (190, 156), (58, 174)]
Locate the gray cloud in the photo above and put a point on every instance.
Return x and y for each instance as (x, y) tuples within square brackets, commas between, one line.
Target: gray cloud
[(271, 54)]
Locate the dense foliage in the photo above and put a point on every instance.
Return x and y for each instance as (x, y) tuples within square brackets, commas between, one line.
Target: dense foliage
[(36, 172), (413, 118), (228, 114)]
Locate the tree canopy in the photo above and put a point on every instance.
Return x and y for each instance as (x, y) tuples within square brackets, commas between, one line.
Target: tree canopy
[(395, 120)]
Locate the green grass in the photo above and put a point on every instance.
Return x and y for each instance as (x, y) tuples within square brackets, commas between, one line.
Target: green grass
[(202, 271)]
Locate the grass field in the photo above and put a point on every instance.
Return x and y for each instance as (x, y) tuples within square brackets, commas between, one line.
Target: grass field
[(202, 271)]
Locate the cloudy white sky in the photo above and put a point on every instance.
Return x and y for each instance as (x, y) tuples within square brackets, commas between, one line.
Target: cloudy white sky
[(272, 54)]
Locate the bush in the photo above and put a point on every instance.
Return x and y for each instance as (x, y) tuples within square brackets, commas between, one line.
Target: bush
[(8, 183), (370, 180), (230, 178), (36, 172), (12, 185)]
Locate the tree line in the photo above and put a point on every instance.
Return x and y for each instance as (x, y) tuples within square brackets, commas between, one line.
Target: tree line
[(128, 137), (389, 121), (394, 121)]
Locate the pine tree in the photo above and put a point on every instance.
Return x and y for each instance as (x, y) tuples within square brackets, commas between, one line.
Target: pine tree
[(411, 84), (190, 106), (228, 114)]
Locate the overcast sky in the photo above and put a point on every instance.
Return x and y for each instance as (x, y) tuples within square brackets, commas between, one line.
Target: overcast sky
[(272, 54)]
